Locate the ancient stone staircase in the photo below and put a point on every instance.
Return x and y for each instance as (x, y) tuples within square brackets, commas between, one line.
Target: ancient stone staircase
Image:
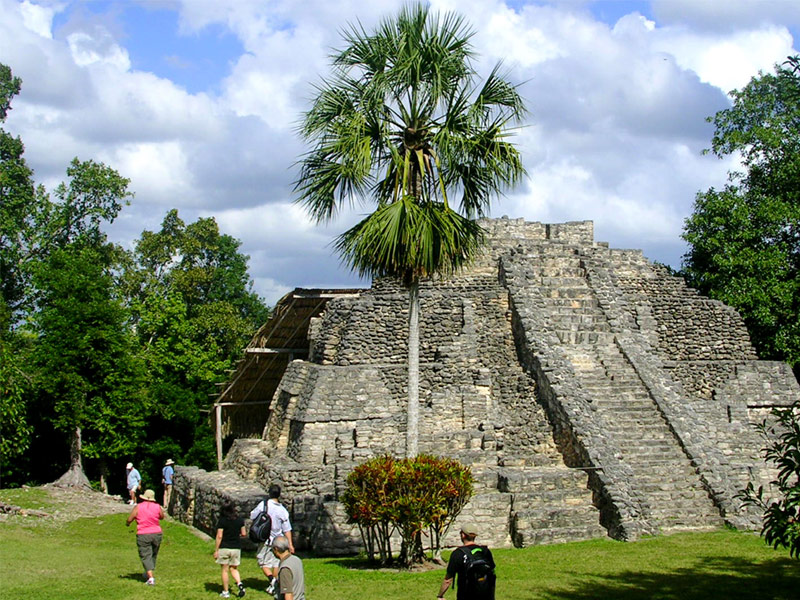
[(670, 494), (513, 456)]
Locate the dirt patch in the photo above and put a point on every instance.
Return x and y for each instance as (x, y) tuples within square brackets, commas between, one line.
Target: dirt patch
[(65, 504)]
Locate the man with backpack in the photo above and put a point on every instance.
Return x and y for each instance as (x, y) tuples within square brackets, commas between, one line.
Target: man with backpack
[(473, 565), (280, 526)]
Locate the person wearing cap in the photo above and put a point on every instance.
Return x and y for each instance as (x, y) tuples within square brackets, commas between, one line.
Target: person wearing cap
[(147, 515), (166, 480), (457, 566), (133, 481)]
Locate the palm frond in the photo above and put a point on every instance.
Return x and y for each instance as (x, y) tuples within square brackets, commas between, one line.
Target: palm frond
[(409, 240)]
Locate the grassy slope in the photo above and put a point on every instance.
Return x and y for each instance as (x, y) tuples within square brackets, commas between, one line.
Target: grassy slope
[(95, 558)]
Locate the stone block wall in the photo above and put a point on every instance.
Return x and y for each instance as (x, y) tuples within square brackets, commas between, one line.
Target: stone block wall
[(582, 384)]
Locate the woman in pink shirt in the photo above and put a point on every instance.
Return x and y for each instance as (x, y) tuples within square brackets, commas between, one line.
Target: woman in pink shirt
[(147, 515)]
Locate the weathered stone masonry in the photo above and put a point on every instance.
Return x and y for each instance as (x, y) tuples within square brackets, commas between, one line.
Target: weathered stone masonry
[(591, 393)]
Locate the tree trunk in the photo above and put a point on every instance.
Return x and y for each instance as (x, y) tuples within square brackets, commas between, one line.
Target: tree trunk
[(104, 476), (412, 422), (74, 477)]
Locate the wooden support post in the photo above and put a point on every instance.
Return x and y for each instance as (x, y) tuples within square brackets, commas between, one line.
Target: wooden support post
[(218, 415)]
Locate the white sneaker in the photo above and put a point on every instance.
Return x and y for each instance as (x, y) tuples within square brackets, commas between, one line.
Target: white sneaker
[(224, 594), (150, 581)]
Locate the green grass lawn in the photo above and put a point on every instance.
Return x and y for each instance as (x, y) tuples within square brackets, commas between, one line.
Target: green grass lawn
[(95, 558)]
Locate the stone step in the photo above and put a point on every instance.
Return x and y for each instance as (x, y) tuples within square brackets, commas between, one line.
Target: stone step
[(558, 535), (547, 498), (688, 518), (517, 480), (632, 406), (546, 518), (584, 337), (586, 320), (613, 386), (550, 279), (572, 303), (664, 491), (553, 272)]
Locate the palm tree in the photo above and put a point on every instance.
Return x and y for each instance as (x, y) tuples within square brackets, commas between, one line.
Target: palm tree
[(401, 124)]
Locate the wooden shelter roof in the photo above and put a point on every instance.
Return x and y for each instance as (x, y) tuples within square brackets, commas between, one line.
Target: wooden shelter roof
[(253, 381)]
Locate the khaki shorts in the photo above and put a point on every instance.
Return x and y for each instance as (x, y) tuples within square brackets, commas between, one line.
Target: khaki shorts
[(266, 558), (229, 556)]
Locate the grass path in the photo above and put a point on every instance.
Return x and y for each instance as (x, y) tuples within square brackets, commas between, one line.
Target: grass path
[(95, 558)]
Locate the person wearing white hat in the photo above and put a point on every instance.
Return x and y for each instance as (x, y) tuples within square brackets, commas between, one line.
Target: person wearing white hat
[(147, 515), (134, 482), (166, 480)]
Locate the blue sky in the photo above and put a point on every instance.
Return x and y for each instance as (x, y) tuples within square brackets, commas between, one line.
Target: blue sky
[(196, 101), (196, 60)]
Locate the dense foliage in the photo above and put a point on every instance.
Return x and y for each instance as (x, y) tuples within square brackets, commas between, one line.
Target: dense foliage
[(108, 355), (413, 496), (403, 122), (745, 239), (781, 526)]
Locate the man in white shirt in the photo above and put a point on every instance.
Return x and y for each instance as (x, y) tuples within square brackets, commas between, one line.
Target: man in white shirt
[(281, 526)]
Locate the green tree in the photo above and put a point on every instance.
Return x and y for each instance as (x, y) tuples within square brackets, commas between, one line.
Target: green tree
[(41, 235), (15, 430), (21, 209), (745, 239), (194, 309), (401, 122), (781, 515), (87, 365)]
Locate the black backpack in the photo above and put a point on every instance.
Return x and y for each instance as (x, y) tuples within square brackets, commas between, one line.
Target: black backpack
[(261, 526), (479, 577)]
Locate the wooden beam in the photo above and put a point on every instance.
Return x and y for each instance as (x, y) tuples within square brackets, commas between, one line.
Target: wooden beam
[(241, 403), (276, 350), (304, 296)]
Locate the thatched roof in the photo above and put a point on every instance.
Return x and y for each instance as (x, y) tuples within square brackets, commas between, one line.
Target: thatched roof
[(245, 397)]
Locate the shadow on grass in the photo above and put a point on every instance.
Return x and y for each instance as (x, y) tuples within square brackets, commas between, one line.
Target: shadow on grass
[(135, 576), (710, 578), (360, 563), (254, 584)]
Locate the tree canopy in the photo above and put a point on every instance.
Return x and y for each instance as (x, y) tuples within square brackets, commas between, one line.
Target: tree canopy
[(745, 238), (108, 355)]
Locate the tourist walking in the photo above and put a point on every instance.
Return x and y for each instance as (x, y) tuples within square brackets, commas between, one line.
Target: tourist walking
[(166, 480), (291, 584), (147, 515), (228, 546), (280, 527), (133, 482), (474, 567)]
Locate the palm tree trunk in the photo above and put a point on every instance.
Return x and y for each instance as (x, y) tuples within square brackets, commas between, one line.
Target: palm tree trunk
[(412, 422)]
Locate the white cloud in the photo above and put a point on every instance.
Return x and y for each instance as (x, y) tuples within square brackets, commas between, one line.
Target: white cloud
[(727, 15), (37, 18), (615, 134), (726, 61)]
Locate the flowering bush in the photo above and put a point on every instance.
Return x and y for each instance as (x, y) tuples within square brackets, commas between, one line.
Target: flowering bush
[(413, 496)]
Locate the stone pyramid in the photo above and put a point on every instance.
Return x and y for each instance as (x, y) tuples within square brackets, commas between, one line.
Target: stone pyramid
[(590, 392)]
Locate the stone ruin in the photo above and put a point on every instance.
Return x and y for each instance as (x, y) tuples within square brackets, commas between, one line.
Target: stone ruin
[(591, 393)]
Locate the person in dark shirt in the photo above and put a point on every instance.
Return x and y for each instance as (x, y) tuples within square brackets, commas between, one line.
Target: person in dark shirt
[(457, 566), (228, 547)]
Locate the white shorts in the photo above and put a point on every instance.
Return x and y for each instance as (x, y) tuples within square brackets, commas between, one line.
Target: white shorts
[(266, 558)]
